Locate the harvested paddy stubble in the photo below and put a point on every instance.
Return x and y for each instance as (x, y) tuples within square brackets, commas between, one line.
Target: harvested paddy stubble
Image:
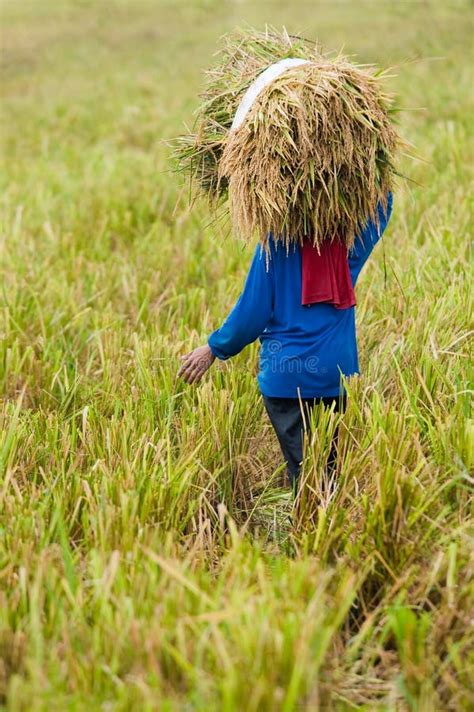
[(315, 152)]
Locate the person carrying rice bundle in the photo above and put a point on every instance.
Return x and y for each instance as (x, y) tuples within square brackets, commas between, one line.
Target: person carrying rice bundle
[(302, 147)]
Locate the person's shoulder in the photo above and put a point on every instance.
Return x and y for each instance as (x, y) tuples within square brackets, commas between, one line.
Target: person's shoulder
[(384, 213), (377, 224), (278, 250), (385, 207)]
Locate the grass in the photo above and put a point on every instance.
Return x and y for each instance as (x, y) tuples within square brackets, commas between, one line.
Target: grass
[(147, 557)]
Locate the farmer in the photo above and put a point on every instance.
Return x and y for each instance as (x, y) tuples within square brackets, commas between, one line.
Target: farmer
[(301, 306)]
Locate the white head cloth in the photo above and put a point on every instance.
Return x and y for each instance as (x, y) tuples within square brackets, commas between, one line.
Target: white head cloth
[(259, 84)]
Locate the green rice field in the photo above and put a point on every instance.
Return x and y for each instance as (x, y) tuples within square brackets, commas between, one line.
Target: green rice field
[(150, 558)]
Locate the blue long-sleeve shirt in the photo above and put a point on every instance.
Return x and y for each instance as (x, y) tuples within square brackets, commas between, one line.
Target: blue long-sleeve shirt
[(304, 349)]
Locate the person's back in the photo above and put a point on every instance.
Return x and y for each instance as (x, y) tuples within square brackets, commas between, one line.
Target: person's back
[(304, 348)]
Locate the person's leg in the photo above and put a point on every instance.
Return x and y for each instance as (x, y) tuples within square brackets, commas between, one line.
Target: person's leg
[(287, 420), (290, 418)]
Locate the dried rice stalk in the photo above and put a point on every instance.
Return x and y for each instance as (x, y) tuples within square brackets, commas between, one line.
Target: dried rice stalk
[(313, 156)]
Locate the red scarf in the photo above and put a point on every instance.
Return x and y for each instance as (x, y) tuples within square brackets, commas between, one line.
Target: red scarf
[(325, 275)]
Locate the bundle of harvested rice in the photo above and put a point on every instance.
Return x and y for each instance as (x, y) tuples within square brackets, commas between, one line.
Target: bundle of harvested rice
[(308, 155)]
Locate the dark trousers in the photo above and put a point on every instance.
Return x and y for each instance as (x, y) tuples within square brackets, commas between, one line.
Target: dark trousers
[(286, 416)]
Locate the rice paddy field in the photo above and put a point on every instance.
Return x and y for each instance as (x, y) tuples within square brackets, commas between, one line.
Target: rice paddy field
[(150, 558)]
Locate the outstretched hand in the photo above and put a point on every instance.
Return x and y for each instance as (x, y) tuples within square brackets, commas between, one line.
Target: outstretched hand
[(195, 364)]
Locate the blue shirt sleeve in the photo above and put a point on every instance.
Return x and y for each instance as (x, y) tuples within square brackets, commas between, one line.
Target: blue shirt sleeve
[(367, 239), (251, 313)]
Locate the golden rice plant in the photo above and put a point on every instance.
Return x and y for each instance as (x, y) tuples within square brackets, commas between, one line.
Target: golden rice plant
[(315, 153)]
